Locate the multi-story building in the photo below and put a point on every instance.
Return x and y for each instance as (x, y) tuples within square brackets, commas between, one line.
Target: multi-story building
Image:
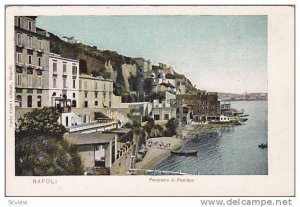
[(95, 92), (163, 109), (31, 58), (205, 105), (143, 66), (63, 81)]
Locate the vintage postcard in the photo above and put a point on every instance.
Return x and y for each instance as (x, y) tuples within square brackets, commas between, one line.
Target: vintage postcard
[(149, 100)]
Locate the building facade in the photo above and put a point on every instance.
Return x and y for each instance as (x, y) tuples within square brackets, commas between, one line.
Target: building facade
[(95, 92), (203, 104), (31, 64), (63, 81), (163, 110)]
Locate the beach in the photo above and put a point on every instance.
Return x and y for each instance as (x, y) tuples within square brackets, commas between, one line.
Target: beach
[(157, 154)]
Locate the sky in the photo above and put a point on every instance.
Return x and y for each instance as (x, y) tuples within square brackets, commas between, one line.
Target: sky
[(217, 53)]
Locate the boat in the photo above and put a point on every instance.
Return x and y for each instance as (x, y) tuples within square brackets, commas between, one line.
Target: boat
[(263, 145), (185, 153)]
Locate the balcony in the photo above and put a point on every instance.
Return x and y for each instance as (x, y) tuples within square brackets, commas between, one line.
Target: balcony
[(20, 64), (30, 65), (39, 50), (31, 48), (38, 67), (96, 126), (20, 45)]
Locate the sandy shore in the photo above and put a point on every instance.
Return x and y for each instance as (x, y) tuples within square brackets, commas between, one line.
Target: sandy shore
[(155, 155)]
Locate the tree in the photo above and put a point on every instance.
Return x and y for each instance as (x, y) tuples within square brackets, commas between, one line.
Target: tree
[(40, 148), (171, 127)]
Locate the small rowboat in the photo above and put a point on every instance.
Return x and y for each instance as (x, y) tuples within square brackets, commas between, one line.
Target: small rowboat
[(263, 146), (185, 153)]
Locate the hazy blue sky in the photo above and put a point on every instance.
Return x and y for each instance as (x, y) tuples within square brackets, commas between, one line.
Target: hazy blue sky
[(217, 53)]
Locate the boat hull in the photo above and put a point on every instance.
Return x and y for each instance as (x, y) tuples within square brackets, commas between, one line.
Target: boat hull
[(184, 153)]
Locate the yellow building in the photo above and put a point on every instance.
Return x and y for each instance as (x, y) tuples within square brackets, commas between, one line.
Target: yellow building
[(95, 92)]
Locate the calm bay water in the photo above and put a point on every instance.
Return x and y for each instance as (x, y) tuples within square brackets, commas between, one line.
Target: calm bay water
[(236, 152)]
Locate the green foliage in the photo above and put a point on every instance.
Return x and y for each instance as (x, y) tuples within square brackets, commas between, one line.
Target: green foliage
[(40, 148), (146, 118), (171, 127), (41, 121), (159, 95), (42, 155)]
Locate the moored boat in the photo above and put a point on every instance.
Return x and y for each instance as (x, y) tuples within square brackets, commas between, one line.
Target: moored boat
[(263, 145), (185, 153)]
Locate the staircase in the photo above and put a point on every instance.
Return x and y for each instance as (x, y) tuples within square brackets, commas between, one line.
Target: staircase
[(118, 117)]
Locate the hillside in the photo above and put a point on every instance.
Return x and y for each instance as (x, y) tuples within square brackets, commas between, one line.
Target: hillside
[(109, 64)]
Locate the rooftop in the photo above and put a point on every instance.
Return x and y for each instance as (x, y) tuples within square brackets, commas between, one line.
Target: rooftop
[(119, 131), (86, 76), (89, 138)]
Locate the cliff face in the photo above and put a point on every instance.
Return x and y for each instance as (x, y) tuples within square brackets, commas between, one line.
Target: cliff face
[(109, 64)]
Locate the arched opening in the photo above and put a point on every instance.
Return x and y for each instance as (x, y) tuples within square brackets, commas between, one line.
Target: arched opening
[(39, 101), (29, 101)]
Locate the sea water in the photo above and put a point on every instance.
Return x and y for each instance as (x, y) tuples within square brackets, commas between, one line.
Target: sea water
[(235, 152)]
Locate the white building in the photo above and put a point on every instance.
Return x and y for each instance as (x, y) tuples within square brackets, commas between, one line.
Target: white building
[(163, 110), (63, 81), (72, 40)]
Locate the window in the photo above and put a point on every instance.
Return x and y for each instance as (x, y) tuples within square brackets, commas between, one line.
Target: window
[(29, 59), (73, 103), (166, 117), (156, 116), (74, 69), (29, 101), (54, 82), (19, 57), (73, 95), (96, 103), (39, 101), (67, 121), (19, 100), (39, 61), (96, 94), (109, 95), (104, 95), (29, 25), (74, 83), (39, 80), (85, 94), (86, 104), (96, 85), (39, 44), (19, 80), (19, 21), (29, 81), (64, 68), (64, 82), (29, 41), (19, 39), (54, 68)]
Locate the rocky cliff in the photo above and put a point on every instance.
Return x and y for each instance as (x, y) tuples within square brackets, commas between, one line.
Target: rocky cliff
[(109, 64)]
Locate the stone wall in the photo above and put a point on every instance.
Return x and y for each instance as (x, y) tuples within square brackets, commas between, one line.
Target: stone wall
[(121, 166)]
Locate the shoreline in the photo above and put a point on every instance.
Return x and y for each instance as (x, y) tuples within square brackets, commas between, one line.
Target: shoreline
[(155, 156)]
